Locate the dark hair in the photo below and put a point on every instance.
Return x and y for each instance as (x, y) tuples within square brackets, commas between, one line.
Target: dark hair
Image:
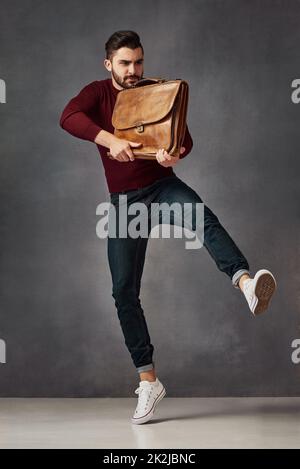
[(120, 39)]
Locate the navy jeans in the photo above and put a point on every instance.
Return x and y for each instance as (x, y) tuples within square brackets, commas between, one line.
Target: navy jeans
[(126, 258)]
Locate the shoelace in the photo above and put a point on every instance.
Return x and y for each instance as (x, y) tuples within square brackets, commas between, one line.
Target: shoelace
[(249, 294), (247, 289), (139, 391)]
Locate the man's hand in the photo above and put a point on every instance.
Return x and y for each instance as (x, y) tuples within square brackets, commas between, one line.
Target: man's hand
[(120, 149), (167, 160)]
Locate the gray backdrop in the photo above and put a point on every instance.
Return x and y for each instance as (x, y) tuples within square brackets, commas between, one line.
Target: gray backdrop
[(58, 318)]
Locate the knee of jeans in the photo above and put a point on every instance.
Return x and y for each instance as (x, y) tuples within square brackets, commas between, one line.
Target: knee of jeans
[(124, 293), (209, 214), (193, 219)]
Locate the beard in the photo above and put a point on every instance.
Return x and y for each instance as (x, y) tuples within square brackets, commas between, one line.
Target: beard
[(125, 82)]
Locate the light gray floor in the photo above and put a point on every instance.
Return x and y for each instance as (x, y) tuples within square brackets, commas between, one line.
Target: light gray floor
[(177, 423)]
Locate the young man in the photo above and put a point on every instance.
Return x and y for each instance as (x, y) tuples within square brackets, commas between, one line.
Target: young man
[(88, 116)]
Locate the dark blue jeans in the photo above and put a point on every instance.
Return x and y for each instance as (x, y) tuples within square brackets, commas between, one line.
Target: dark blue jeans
[(126, 257)]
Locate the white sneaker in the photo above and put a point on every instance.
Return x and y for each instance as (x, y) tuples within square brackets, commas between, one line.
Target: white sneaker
[(259, 290), (150, 393)]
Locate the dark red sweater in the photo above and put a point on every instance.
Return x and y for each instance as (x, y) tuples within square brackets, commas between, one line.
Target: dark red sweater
[(91, 111)]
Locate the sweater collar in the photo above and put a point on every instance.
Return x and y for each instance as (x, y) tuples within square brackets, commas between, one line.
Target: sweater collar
[(114, 90)]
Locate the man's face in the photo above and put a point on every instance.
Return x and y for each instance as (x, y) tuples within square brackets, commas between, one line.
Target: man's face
[(126, 67)]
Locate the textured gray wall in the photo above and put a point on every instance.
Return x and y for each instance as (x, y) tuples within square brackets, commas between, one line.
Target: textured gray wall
[(58, 318)]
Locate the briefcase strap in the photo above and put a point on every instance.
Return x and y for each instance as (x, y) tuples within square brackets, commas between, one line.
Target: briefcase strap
[(148, 81)]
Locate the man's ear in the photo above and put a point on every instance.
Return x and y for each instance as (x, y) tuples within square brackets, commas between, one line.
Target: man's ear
[(107, 64)]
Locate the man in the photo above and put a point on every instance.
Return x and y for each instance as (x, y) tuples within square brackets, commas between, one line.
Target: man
[(88, 116)]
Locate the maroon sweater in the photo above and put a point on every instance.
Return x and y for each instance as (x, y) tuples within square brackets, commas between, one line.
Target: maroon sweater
[(91, 111)]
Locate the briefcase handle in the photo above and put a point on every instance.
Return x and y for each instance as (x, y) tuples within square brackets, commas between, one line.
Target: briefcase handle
[(148, 81)]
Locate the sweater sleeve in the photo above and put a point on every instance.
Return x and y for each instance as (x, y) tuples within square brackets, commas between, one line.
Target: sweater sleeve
[(76, 116), (187, 143)]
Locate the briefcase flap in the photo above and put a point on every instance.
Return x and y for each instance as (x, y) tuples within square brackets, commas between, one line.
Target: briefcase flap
[(144, 105)]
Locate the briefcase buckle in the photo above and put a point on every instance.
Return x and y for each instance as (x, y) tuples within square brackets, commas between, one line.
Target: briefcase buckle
[(140, 128)]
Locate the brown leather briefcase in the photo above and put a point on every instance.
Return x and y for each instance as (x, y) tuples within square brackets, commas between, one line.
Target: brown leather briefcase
[(153, 112)]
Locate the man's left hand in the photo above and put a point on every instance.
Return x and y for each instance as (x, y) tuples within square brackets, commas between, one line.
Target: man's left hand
[(167, 160)]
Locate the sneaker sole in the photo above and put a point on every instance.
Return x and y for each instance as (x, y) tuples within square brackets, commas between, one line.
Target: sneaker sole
[(146, 418), (264, 289)]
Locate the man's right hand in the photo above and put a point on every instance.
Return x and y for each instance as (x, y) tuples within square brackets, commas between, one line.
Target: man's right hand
[(120, 149)]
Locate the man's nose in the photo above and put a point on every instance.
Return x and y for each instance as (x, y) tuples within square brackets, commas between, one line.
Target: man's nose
[(131, 69)]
